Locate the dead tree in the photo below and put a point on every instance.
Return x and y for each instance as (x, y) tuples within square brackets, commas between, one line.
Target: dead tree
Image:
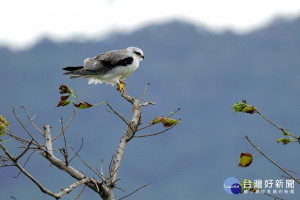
[(41, 142)]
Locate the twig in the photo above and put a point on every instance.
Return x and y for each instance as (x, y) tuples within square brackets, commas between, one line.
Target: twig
[(122, 117), (20, 122), (120, 189), (134, 191), (76, 153), (65, 154), (24, 163), (111, 161), (147, 103), (31, 120), (258, 149), (172, 113), (118, 114), (69, 122), (7, 165), (20, 139), (101, 168), (98, 187), (24, 151), (278, 127), (144, 93), (147, 126), (25, 172), (80, 192), (95, 172), (140, 136)]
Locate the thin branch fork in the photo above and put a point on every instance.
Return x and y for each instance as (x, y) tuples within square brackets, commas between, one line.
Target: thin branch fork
[(129, 133), (127, 136), (278, 127), (31, 120), (24, 127), (274, 163), (104, 188), (95, 185), (154, 134)]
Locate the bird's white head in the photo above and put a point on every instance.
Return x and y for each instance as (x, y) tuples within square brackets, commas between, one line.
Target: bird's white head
[(137, 52)]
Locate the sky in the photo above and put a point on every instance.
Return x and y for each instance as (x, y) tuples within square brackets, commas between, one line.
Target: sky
[(25, 22)]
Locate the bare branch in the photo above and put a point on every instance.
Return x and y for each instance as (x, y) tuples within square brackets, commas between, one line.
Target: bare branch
[(127, 136), (144, 93), (74, 185), (158, 133), (20, 139), (94, 171), (80, 192), (25, 163), (71, 119), (130, 99), (134, 191), (25, 172), (98, 187), (7, 165), (278, 127), (24, 151), (118, 114), (20, 122), (31, 120), (76, 153), (147, 103), (48, 141), (173, 113), (65, 154), (258, 149)]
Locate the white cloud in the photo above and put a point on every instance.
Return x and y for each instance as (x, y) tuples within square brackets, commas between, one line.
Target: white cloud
[(22, 22)]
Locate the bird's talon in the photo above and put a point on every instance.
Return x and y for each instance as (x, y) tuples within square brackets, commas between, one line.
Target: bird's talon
[(121, 87)]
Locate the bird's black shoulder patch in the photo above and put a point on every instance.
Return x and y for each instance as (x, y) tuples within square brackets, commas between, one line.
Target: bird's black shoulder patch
[(123, 62)]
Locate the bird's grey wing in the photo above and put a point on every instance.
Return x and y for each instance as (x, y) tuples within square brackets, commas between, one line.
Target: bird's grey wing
[(108, 61)]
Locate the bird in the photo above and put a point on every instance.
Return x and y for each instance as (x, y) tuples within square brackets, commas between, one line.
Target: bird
[(111, 67)]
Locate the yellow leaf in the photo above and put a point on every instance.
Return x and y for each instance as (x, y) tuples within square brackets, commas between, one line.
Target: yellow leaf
[(245, 159), (167, 122)]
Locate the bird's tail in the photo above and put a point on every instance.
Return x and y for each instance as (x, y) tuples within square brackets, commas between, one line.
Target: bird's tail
[(72, 70), (75, 71)]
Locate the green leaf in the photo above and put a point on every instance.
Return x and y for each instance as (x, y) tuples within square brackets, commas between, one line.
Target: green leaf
[(238, 107), (83, 105), (63, 103), (284, 140), (243, 107), (3, 125)]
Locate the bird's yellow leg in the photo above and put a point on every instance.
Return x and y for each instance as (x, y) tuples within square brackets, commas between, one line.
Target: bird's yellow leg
[(121, 86)]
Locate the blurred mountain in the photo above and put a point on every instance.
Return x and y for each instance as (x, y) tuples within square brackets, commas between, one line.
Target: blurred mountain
[(202, 72)]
